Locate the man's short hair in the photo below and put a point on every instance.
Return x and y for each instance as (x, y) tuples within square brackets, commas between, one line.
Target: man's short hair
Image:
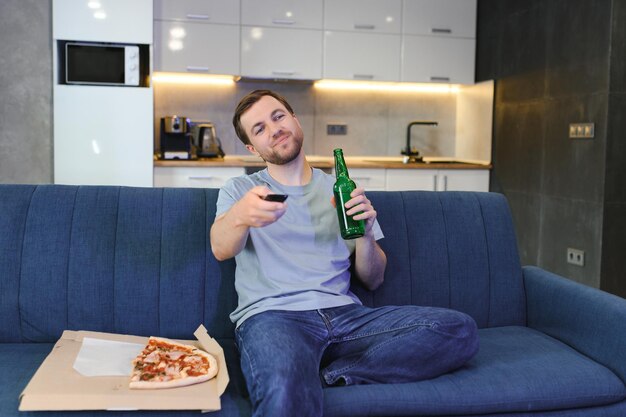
[(246, 103)]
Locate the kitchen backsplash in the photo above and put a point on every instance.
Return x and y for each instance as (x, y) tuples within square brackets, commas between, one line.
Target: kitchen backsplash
[(376, 120)]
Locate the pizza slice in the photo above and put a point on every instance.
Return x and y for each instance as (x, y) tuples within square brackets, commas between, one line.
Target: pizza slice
[(165, 363)]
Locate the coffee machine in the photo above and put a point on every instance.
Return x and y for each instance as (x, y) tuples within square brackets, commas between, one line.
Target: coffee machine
[(176, 138)]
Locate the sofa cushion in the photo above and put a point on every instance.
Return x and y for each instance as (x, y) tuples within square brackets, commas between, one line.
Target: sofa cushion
[(516, 370), (19, 362)]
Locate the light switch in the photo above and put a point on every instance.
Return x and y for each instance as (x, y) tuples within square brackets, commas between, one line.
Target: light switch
[(572, 130), (581, 130)]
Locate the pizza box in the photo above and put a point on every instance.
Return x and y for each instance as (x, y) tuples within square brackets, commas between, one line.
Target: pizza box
[(58, 386)]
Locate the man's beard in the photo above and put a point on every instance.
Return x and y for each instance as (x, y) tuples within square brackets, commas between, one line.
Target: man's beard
[(272, 156)]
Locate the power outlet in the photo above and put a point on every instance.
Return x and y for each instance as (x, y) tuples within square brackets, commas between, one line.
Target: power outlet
[(336, 129), (576, 257)]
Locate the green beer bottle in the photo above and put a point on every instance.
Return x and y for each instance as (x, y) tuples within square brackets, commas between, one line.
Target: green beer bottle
[(350, 228)]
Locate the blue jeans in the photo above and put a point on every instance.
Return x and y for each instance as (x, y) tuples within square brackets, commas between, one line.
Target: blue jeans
[(284, 354)]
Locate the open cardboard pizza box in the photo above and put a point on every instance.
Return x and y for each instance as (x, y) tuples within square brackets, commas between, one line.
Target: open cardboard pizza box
[(58, 386)]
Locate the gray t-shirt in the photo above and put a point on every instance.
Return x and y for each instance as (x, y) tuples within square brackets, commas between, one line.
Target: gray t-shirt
[(300, 262)]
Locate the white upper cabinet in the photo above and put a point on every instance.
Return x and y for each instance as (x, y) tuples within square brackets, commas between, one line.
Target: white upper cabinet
[(438, 41), (209, 11), (103, 21), (455, 18), (438, 60), (379, 40), (304, 14), (196, 47), (281, 39), (363, 15), (362, 39), (281, 53), (345, 56), (199, 36)]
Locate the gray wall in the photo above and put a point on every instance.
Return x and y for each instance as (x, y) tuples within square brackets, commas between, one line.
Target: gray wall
[(25, 91), (614, 228), (557, 62)]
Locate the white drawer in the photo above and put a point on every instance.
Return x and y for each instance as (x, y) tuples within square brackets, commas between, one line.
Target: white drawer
[(303, 14), (195, 177), (370, 179), (203, 11)]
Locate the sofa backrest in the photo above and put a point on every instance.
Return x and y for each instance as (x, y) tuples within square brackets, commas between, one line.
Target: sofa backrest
[(138, 260), (450, 249)]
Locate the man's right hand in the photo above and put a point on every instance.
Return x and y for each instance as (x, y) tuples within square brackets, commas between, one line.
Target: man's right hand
[(229, 231), (253, 211)]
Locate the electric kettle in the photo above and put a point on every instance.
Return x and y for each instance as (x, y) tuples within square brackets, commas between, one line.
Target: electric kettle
[(206, 141)]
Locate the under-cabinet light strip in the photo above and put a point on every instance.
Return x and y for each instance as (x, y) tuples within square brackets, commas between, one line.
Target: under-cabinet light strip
[(386, 86), (210, 79)]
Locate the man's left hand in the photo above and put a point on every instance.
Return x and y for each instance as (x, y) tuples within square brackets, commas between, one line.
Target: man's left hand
[(360, 204)]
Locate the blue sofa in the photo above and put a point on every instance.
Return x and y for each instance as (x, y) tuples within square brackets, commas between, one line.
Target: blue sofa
[(117, 259)]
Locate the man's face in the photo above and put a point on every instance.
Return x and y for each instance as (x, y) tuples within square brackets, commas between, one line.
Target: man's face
[(275, 134)]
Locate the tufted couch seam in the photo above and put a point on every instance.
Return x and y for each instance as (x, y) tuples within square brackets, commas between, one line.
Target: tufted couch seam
[(19, 286), (402, 200), (488, 259), (67, 264), (117, 226), (445, 230)]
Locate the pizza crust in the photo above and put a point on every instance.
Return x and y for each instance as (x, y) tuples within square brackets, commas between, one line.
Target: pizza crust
[(180, 381), (173, 383)]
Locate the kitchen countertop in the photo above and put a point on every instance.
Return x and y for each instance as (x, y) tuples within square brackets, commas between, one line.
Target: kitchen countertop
[(375, 162)]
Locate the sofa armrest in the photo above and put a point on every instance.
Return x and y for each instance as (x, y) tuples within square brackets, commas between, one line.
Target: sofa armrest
[(589, 320)]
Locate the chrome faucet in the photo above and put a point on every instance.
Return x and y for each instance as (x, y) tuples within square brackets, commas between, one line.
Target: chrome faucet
[(410, 154)]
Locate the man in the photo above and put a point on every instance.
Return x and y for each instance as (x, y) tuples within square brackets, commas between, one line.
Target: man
[(297, 321)]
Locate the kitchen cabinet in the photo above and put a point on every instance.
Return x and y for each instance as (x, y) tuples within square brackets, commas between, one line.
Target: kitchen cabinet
[(196, 47), (436, 59), (111, 21), (463, 180), (437, 179), (372, 16), (302, 14), (406, 40), (446, 18), (417, 179), (346, 58), (195, 177), (103, 135), (207, 11), (372, 179), (281, 39), (281, 53), (351, 24), (196, 36), (438, 41)]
